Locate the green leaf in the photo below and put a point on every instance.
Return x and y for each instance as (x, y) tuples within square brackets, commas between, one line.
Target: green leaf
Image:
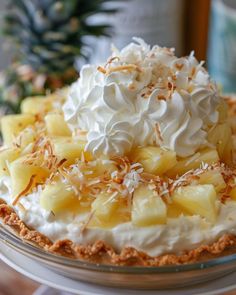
[(48, 34)]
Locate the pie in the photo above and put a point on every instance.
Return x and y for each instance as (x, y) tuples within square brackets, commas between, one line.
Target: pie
[(132, 165)]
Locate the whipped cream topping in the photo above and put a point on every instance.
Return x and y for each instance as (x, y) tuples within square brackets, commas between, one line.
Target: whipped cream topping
[(141, 89), (178, 235)]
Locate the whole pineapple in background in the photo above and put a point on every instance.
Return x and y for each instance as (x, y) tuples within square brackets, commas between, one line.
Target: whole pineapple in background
[(47, 36)]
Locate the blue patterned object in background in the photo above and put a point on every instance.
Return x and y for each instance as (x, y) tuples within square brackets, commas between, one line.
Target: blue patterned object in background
[(222, 44)]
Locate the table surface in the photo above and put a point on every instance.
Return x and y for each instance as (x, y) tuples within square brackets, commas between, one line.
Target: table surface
[(13, 283)]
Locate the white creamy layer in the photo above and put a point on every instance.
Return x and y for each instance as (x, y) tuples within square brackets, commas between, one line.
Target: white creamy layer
[(177, 235), (139, 89)]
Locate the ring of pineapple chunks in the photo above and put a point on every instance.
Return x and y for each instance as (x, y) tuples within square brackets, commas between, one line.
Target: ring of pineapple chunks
[(149, 209)]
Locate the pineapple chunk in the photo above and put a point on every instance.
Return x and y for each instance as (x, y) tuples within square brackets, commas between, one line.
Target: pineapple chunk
[(197, 200), (58, 98), (12, 125), (69, 150), (22, 172), (154, 159), (56, 125), (104, 207), (36, 105), (147, 209), (7, 156), (120, 214), (213, 177), (221, 137), (174, 211), (101, 166), (183, 165), (59, 197), (25, 138), (96, 168)]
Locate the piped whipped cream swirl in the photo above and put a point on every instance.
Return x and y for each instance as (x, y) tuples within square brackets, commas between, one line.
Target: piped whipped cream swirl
[(143, 96)]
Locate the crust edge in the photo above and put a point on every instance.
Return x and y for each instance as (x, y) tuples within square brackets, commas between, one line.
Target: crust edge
[(100, 252)]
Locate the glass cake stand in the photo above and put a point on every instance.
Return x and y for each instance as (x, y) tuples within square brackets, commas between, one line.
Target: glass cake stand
[(164, 277)]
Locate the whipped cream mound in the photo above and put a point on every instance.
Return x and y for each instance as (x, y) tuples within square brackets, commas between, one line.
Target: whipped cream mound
[(143, 96)]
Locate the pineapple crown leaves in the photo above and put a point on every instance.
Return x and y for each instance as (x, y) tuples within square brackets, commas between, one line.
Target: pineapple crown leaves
[(14, 86), (20, 81), (50, 33)]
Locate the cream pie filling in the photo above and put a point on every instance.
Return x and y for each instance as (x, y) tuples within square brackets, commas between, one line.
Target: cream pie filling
[(179, 234)]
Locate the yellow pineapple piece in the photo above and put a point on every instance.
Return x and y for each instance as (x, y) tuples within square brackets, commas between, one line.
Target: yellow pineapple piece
[(69, 150), (59, 197), (120, 213), (22, 173), (197, 200), (183, 165), (154, 159), (174, 211), (56, 125), (104, 207), (147, 208), (61, 139), (12, 125), (36, 105), (221, 137), (97, 168), (58, 98), (101, 166), (213, 177), (25, 138), (6, 157)]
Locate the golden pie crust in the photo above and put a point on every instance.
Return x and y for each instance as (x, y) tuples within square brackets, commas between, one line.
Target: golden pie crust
[(100, 252)]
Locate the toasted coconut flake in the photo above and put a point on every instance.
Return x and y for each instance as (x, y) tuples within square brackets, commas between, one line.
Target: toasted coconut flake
[(93, 181), (68, 178), (158, 133), (102, 70), (86, 223), (128, 67), (112, 60), (193, 72), (61, 163), (83, 159), (132, 179), (179, 66), (112, 198), (123, 162), (161, 97), (21, 207), (192, 159), (130, 201), (37, 144), (147, 177)]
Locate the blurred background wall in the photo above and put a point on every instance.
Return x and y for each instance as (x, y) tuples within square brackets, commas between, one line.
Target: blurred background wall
[(197, 16), (187, 27), (205, 26)]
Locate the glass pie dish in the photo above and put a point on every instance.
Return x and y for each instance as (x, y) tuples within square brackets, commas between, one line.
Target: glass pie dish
[(164, 277)]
